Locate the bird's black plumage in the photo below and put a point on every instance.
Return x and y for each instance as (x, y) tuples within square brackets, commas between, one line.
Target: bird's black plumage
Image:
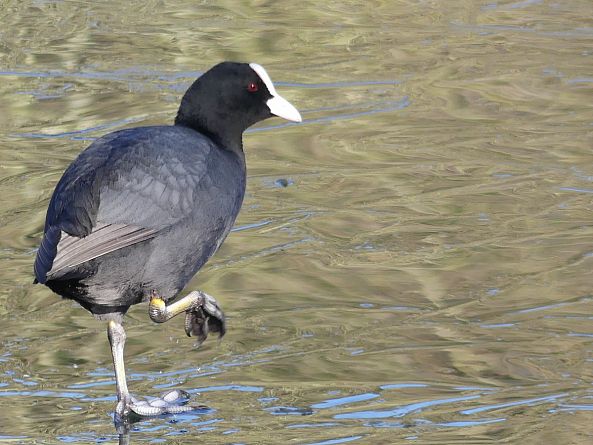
[(142, 209)]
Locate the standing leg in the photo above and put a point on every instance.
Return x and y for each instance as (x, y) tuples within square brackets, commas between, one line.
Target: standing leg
[(171, 402), (117, 340)]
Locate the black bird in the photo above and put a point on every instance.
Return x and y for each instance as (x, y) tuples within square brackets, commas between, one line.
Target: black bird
[(141, 210)]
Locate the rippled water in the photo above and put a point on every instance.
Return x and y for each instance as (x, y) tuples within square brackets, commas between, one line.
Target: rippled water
[(412, 263)]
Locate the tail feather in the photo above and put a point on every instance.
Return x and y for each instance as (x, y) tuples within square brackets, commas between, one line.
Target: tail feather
[(46, 254)]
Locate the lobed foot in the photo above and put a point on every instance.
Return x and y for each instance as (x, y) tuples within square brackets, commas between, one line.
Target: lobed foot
[(205, 318), (170, 402), (202, 314)]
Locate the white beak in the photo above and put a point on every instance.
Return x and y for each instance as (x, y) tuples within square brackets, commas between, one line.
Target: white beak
[(283, 108), (277, 104)]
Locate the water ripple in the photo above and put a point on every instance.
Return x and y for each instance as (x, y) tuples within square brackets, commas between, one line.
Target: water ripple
[(528, 402), (403, 410), (330, 403), (337, 441)]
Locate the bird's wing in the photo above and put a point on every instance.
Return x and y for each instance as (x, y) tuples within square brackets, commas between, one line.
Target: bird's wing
[(122, 190), (60, 253)]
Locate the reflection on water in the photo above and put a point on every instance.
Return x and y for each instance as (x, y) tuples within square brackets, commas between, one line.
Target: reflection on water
[(412, 262)]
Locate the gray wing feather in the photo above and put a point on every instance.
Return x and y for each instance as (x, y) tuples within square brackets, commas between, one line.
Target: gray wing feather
[(105, 238)]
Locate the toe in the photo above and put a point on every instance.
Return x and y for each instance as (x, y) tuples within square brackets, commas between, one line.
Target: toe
[(176, 396), (170, 402), (196, 324), (145, 409), (208, 317)]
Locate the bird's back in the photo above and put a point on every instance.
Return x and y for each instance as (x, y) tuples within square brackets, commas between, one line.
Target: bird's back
[(139, 210)]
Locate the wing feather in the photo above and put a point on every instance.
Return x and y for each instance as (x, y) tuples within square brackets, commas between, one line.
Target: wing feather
[(105, 238), (122, 190)]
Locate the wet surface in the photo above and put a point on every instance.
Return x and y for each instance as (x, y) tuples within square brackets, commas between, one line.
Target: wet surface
[(412, 263)]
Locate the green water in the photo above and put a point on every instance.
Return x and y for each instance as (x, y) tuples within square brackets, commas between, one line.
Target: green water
[(412, 263)]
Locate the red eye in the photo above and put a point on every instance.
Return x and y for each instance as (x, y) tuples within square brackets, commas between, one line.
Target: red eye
[(252, 87)]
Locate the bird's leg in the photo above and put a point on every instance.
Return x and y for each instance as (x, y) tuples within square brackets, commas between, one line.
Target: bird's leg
[(202, 313), (170, 402), (117, 340)]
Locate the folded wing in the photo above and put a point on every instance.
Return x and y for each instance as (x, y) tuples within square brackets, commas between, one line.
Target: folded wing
[(120, 191)]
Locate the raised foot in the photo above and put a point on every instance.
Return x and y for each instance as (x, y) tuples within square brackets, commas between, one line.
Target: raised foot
[(205, 318), (202, 314), (170, 402)]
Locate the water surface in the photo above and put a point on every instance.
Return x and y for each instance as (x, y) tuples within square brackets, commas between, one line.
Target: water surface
[(412, 263)]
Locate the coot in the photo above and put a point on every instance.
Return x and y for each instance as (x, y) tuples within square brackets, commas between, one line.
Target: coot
[(141, 210)]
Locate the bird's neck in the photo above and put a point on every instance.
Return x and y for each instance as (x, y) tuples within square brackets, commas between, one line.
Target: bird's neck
[(202, 112), (227, 138)]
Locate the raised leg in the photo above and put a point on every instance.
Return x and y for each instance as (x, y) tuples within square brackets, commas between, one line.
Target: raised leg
[(202, 313), (171, 402)]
